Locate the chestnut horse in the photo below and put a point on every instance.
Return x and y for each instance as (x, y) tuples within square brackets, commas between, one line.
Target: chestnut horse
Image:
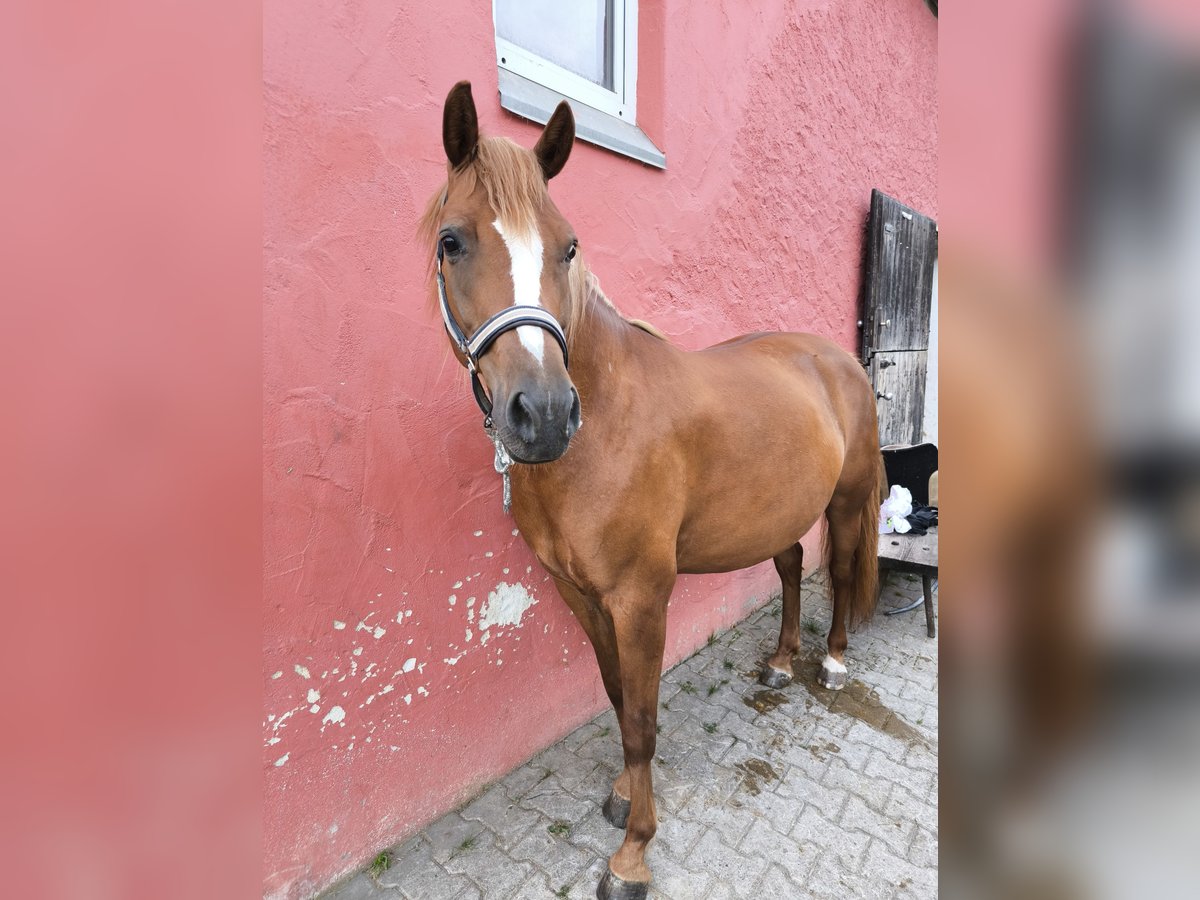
[(641, 460)]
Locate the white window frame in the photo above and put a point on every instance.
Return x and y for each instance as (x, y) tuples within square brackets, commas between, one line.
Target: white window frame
[(531, 87), (621, 101)]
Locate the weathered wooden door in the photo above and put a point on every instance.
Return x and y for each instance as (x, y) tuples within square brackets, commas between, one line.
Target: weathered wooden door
[(901, 252)]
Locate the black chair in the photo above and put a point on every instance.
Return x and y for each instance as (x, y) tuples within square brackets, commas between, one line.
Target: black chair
[(910, 467)]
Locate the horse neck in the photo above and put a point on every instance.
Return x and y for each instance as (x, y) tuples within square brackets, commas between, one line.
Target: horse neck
[(605, 344)]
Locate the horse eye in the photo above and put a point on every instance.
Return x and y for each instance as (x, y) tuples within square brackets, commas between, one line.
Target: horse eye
[(571, 252), (450, 244)]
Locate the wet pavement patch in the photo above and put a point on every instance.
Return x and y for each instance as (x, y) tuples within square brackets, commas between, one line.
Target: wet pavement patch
[(755, 771), (860, 702), (819, 749), (766, 701)]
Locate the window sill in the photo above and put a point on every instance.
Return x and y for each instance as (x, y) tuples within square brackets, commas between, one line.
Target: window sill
[(530, 100)]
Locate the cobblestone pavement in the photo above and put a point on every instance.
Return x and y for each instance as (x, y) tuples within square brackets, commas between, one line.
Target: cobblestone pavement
[(764, 794)]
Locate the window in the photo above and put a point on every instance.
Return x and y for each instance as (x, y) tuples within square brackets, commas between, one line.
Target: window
[(586, 51)]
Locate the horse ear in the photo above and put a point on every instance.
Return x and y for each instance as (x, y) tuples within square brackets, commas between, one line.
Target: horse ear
[(460, 126), (554, 146)]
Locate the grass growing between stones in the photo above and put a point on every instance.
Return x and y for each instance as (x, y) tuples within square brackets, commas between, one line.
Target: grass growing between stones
[(380, 864)]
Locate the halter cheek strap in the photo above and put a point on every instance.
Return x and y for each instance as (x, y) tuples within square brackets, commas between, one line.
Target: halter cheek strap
[(472, 348)]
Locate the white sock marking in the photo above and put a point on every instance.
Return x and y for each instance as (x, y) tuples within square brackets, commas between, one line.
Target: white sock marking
[(525, 251), (832, 665)]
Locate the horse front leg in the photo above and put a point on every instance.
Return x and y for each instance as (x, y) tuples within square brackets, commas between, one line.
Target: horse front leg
[(640, 626), (598, 626)]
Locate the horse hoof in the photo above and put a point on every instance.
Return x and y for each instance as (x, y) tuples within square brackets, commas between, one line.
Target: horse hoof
[(833, 674), (774, 678), (616, 810), (613, 888)]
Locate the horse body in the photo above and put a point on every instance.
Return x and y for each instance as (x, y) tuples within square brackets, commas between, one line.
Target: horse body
[(715, 460), (650, 460)]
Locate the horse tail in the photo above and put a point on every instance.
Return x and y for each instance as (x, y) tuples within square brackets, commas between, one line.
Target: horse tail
[(866, 551)]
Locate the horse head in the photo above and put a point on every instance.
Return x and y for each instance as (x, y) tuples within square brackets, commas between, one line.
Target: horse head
[(505, 256)]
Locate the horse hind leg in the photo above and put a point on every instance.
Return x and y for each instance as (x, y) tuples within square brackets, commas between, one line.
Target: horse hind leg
[(852, 546), (777, 672)]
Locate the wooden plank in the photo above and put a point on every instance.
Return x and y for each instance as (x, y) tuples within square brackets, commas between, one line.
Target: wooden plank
[(916, 553), (901, 251), (899, 379)]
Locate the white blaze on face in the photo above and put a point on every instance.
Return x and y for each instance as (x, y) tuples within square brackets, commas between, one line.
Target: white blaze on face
[(525, 251)]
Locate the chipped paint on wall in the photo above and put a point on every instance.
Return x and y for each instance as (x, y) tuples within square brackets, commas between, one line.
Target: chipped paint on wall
[(505, 606)]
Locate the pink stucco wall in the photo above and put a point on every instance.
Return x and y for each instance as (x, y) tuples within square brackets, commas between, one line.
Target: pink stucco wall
[(777, 119)]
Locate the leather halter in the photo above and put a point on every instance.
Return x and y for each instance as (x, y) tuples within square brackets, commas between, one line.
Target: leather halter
[(475, 346)]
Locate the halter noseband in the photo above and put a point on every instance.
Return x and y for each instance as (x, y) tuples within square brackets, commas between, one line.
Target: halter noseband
[(506, 320)]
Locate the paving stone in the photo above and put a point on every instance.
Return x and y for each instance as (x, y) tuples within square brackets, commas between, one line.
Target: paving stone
[(501, 816), (775, 883), (604, 748), (579, 736), (693, 706), (807, 761), (719, 890), (674, 880), (766, 805), (693, 766), (553, 854), (874, 791), (894, 831), (410, 852), (596, 787), (848, 847), (749, 729), (554, 802), (890, 687), (927, 721), (739, 872), (708, 808), (899, 873), (670, 720), (851, 811), (520, 782), (924, 850), (569, 767), (861, 740), (677, 834), (418, 875), (360, 887), (447, 834), (491, 869), (903, 805), (830, 881), (671, 793), (913, 690), (805, 791), (783, 853)]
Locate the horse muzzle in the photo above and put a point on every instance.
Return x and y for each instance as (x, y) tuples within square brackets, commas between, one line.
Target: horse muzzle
[(536, 424)]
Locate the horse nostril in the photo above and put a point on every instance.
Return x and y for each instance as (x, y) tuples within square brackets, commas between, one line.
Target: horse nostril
[(574, 418), (523, 417)]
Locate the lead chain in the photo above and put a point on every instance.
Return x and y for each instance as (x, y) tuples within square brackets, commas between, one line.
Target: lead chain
[(503, 463)]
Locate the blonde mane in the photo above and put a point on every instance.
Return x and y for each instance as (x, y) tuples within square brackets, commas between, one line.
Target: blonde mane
[(516, 190)]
